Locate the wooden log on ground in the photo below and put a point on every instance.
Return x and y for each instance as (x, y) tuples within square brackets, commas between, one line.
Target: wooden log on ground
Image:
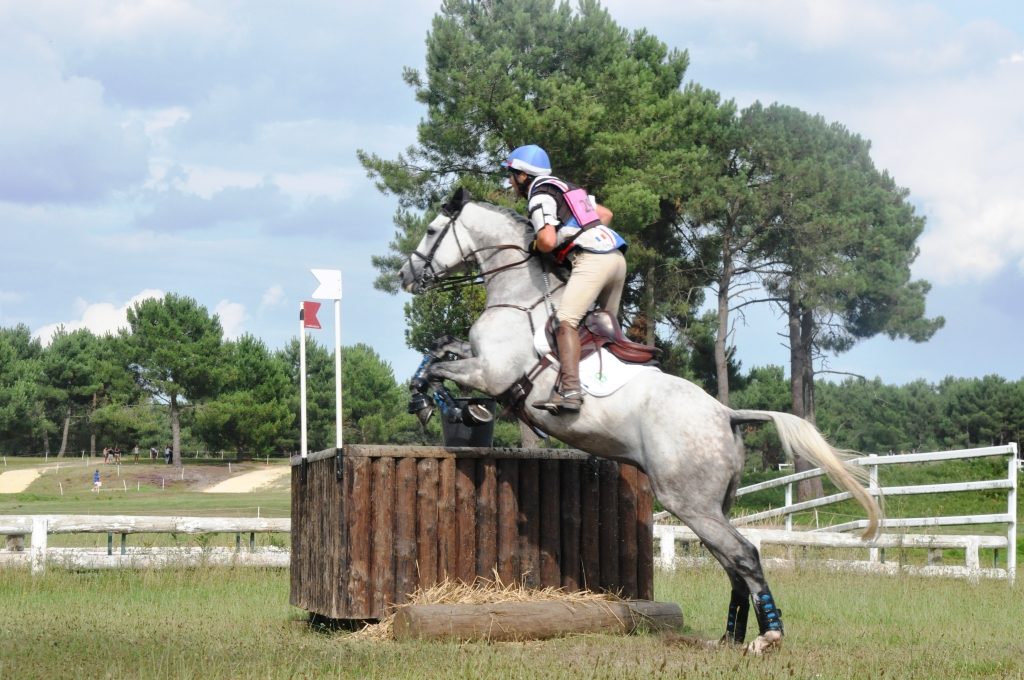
[(508, 621)]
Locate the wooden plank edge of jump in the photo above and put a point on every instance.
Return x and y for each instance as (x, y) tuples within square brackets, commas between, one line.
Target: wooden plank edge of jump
[(540, 620), (397, 451)]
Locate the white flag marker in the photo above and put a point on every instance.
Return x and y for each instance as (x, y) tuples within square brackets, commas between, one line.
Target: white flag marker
[(330, 289)]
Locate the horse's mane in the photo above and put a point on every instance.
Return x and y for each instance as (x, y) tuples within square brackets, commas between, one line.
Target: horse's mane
[(507, 212)]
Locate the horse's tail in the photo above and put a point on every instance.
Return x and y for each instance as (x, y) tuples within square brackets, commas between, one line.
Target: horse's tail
[(801, 438)]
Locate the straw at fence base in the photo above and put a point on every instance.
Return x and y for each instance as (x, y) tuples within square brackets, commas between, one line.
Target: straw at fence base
[(481, 591)]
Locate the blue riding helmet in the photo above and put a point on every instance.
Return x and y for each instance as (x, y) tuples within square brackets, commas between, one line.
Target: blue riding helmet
[(530, 159)]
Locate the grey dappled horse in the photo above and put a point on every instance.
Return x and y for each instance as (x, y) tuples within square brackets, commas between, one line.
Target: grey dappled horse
[(686, 441)]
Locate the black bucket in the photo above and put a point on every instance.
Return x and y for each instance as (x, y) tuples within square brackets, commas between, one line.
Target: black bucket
[(459, 434)]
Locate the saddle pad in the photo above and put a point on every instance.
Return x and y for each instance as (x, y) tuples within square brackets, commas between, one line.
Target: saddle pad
[(602, 373)]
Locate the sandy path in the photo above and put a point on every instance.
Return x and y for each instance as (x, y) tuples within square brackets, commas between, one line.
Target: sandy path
[(250, 480), (16, 481)]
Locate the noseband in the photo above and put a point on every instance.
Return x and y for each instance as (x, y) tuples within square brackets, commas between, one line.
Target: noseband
[(427, 273)]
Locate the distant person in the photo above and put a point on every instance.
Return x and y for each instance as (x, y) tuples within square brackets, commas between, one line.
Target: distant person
[(106, 453), (135, 452), (153, 453), (96, 483), (117, 454), (167, 455)]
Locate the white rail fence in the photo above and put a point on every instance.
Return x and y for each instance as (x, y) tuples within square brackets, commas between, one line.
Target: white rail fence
[(668, 536), (39, 527)]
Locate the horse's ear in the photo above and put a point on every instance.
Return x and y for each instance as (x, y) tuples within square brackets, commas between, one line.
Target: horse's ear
[(459, 199)]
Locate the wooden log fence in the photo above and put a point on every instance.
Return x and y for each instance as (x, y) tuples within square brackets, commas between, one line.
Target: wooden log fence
[(372, 524)]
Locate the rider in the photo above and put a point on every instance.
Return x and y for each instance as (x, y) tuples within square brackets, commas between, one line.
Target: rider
[(572, 226)]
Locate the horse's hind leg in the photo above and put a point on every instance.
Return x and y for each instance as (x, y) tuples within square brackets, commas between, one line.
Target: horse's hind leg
[(739, 610), (742, 563)]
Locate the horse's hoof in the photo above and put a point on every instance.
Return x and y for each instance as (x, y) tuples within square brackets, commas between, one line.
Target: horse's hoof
[(765, 644)]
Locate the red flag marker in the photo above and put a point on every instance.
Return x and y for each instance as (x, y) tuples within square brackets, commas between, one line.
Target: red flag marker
[(308, 315)]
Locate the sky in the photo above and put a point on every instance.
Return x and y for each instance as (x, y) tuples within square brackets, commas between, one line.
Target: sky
[(208, 148)]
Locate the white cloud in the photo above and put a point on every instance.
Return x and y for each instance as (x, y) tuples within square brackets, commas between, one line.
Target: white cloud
[(59, 140), (232, 318), (99, 317), (272, 297), (936, 94), (952, 142)]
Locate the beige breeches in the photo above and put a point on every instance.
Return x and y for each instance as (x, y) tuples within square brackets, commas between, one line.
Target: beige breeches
[(596, 277)]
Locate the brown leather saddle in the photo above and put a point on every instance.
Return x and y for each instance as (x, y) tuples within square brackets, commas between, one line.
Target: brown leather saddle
[(601, 329)]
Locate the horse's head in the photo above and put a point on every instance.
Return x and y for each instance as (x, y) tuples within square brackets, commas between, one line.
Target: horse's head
[(446, 246), (467, 235)]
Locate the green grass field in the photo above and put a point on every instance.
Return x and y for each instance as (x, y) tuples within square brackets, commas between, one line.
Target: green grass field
[(237, 623)]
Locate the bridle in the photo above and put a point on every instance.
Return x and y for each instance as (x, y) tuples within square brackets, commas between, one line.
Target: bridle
[(431, 279)]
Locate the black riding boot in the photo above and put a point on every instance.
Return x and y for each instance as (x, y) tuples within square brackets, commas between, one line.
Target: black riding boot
[(567, 395)]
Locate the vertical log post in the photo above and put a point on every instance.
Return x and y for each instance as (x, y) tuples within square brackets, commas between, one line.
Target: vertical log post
[(359, 540), (529, 522), (627, 531), (447, 545), (465, 518), (609, 514), (645, 537), (508, 520), (590, 534), (426, 514), (571, 519), (405, 530), (486, 519), (550, 525), (383, 555)]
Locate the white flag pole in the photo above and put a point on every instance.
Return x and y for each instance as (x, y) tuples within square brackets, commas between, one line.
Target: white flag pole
[(337, 370), (302, 380), (330, 289)]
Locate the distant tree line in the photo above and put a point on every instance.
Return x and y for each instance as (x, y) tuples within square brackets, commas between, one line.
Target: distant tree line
[(170, 379), (874, 417)]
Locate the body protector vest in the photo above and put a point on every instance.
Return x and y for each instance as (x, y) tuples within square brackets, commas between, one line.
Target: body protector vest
[(576, 211)]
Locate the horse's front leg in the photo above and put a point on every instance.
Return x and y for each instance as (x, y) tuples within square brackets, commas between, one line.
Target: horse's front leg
[(470, 372), (447, 344)]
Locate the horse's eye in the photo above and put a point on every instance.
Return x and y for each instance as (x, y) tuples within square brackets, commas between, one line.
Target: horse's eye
[(431, 231)]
